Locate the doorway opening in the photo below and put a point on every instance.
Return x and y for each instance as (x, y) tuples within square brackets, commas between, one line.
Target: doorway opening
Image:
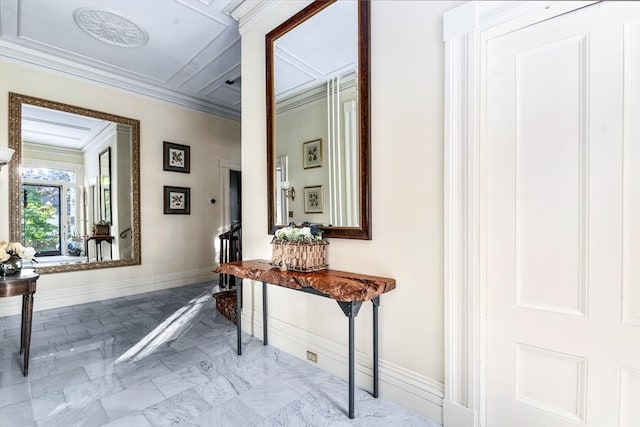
[(235, 196)]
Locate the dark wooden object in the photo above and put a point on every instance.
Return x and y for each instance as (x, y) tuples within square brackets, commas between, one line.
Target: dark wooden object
[(337, 285), (97, 240), (226, 304), (350, 290), (363, 229), (22, 284), (230, 251)]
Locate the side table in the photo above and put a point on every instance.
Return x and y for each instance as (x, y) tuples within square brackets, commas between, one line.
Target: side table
[(23, 284), (97, 240)]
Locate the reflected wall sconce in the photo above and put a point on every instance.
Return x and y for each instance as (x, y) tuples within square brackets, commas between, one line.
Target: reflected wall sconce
[(5, 155), (288, 189)]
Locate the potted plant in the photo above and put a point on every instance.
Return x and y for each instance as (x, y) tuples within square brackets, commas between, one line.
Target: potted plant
[(101, 228), (11, 256), (299, 248), (74, 244)]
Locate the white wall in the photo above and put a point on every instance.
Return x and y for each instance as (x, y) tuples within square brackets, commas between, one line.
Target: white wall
[(290, 136), (407, 209), (176, 249)]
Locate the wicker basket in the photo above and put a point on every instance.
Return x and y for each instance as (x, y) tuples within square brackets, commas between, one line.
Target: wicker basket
[(299, 256), (101, 229)]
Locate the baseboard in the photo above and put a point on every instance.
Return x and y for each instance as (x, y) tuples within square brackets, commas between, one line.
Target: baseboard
[(405, 387), (62, 297), (455, 415)]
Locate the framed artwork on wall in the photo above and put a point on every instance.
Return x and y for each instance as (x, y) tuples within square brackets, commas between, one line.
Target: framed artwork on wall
[(313, 199), (312, 154), (177, 200), (176, 157)]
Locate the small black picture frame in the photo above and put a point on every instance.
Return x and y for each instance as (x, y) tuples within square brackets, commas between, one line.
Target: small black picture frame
[(176, 157), (177, 200)]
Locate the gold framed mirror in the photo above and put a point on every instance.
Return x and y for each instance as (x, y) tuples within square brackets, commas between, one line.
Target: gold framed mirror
[(71, 151), (318, 139)]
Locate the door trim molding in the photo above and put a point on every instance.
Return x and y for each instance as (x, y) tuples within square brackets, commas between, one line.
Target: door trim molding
[(466, 30)]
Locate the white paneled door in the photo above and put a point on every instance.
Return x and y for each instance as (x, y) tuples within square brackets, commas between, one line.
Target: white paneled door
[(562, 164)]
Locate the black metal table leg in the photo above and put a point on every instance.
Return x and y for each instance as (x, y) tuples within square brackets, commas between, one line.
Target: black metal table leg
[(239, 315), (352, 383), (351, 310), (264, 313), (376, 304)]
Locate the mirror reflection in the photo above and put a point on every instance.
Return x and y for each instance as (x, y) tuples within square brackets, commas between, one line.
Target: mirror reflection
[(74, 185), (318, 118), (104, 162)]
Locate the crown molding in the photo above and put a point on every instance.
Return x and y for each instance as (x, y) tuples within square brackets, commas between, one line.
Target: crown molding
[(13, 52), (246, 12)]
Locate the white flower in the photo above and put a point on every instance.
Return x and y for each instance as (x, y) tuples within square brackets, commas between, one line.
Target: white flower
[(9, 249), (16, 248), (298, 234), (3, 254), (26, 253)]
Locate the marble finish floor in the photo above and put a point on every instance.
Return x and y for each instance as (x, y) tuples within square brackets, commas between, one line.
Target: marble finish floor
[(167, 358)]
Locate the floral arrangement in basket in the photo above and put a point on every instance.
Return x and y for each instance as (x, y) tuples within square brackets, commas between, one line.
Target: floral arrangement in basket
[(299, 248), (11, 256), (101, 228)]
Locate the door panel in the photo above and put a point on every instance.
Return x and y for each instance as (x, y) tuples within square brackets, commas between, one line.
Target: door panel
[(550, 203), (563, 221)]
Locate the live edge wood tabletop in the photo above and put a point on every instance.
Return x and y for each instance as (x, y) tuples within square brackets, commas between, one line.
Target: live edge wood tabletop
[(349, 290), (335, 284)]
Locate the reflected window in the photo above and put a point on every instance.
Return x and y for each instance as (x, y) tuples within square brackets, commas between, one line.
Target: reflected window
[(51, 214)]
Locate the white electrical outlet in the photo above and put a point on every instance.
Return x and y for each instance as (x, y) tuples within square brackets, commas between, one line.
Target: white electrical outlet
[(312, 356)]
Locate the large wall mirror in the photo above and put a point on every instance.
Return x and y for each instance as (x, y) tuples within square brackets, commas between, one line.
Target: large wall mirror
[(318, 156), (74, 185)]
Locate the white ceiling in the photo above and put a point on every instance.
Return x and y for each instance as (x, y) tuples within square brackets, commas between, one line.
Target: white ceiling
[(182, 51)]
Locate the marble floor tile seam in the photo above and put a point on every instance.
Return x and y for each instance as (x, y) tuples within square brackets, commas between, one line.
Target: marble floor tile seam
[(199, 368)]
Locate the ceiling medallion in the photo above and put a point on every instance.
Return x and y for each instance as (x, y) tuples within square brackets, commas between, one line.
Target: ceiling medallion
[(110, 27)]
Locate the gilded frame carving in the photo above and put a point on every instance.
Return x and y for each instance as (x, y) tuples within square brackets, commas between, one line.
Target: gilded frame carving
[(15, 207)]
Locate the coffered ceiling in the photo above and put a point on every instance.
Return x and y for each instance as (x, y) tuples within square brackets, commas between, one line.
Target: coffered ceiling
[(182, 51)]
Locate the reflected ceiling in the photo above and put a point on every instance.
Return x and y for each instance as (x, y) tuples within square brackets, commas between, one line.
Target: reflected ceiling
[(317, 50), (59, 129)]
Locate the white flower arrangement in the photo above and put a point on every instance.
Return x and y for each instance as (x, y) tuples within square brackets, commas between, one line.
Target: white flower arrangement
[(298, 234), (15, 249)]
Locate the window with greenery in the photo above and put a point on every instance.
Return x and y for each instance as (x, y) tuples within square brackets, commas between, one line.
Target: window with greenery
[(50, 210)]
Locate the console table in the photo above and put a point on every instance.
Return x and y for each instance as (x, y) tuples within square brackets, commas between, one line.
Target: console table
[(97, 240), (23, 284), (349, 290)]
